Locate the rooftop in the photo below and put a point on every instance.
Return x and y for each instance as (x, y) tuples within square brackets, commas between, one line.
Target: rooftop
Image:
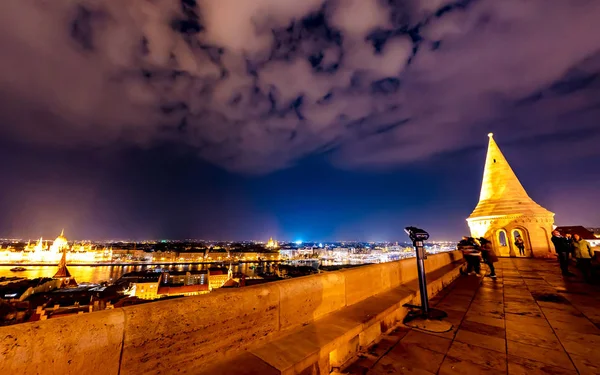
[(585, 233)]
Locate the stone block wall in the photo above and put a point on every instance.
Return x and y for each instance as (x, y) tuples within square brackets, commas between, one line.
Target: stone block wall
[(191, 332), (535, 230)]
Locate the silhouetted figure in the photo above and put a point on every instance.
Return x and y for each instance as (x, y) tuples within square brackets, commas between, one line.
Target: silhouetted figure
[(470, 249), (520, 244), (488, 255), (569, 238), (584, 255), (562, 245)]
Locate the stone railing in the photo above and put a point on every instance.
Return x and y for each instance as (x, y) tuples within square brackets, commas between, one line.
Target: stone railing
[(186, 333)]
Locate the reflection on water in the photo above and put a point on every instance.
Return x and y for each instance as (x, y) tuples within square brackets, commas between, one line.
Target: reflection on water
[(96, 274)]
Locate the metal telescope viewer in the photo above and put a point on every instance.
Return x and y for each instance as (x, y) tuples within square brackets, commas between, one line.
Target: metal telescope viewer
[(417, 237), (422, 316)]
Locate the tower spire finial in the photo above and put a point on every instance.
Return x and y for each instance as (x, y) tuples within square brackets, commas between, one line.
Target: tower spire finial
[(490, 135)]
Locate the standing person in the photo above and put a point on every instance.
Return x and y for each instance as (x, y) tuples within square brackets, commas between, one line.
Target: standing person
[(563, 248), (470, 250), (569, 238), (488, 255), (519, 243), (584, 255)]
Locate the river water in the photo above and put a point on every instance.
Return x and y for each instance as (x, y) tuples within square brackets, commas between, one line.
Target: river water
[(97, 274)]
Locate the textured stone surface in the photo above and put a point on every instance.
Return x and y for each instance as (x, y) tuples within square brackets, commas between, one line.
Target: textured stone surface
[(307, 298), (366, 281), (191, 331), (335, 336), (189, 334), (80, 344)]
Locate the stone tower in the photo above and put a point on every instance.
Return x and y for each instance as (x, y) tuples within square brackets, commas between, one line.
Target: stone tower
[(505, 211), (63, 272)]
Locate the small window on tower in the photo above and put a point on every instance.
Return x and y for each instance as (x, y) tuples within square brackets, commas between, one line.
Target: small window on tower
[(494, 160)]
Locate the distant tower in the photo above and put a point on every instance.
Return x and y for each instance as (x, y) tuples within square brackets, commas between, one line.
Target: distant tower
[(63, 272), (505, 211)]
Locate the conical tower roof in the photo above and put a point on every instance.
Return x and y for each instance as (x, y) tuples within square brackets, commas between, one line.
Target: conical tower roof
[(501, 192), (63, 271)]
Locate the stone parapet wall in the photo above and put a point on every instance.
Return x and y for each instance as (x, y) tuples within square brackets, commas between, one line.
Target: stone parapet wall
[(189, 332)]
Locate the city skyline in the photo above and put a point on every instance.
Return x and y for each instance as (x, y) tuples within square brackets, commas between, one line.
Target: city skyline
[(299, 120)]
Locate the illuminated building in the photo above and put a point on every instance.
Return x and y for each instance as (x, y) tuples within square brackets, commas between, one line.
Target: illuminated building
[(143, 284), (146, 289), (183, 283), (272, 244), (182, 290), (42, 252), (505, 211), (192, 277), (217, 276)]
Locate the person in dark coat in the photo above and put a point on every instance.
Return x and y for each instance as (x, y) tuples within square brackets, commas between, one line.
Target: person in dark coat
[(488, 255), (520, 244), (470, 249), (563, 247), (569, 238)]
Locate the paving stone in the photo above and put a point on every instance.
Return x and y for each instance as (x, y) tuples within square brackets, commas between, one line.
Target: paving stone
[(494, 312), (361, 365), (483, 341), (497, 297), (462, 307), (582, 344), (410, 357), (580, 325), (589, 365), (522, 366), (551, 357), (561, 316), (483, 329), (245, 364), (519, 299), (538, 321), (390, 367), (531, 312), (535, 336), (477, 318), (519, 308), (489, 314), (383, 346), (455, 366), (427, 341), (479, 356)]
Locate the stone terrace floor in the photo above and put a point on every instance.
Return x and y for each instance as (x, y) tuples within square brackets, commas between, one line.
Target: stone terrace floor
[(530, 320)]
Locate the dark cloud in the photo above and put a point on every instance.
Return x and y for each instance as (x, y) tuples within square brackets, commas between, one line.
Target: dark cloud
[(255, 86)]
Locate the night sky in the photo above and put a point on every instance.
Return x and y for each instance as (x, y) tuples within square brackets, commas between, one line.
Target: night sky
[(301, 120)]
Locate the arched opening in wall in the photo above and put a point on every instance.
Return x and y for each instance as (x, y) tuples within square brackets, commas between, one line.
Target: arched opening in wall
[(503, 248), (502, 241), (521, 242)]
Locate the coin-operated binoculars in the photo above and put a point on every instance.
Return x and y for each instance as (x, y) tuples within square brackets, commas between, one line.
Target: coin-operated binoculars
[(422, 316)]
